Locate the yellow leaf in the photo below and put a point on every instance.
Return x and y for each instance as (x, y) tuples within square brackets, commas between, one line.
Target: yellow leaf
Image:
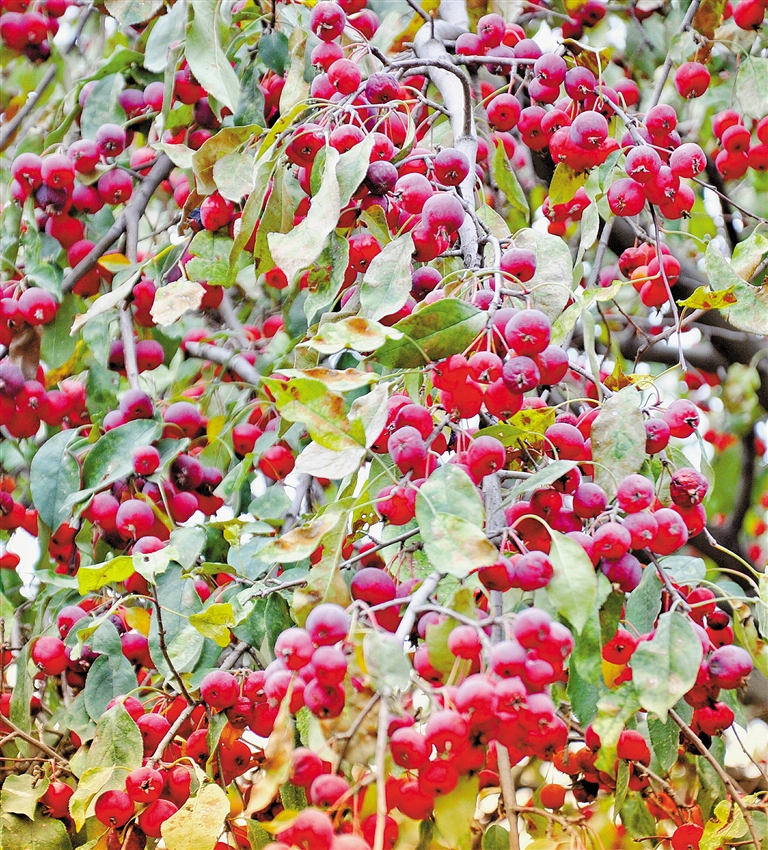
[(139, 619), (215, 427), (214, 621), (197, 824), (114, 262)]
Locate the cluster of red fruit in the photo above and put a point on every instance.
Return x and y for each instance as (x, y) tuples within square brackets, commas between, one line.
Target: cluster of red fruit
[(29, 30), (25, 404), (737, 152)]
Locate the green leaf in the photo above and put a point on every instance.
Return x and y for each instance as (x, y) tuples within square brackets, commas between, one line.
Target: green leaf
[(386, 284), (751, 86), (117, 743), (431, 333), (636, 818), (750, 312), (20, 794), (326, 276), (545, 476), (102, 107), (454, 813), (573, 586), (353, 333), (130, 12), (95, 781), (684, 569), (277, 618), (618, 439), (206, 57), (197, 824), (111, 457), (450, 512), (506, 180), (326, 463), (23, 689), (96, 576), (551, 284), (17, 833), (109, 676), (387, 665), (101, 391), (54, 476), (622, 785), (152, 564), (210, 258), (214, 622), (273, 51), (179, 600), (565, 183), (310, 402), (613, 711), (665, 740), (166, 30), (748, 255), (644, 602), (495, 838), (665, 667), (301, 247), (57, 346)]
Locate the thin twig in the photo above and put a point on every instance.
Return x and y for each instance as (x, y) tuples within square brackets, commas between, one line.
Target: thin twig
[(300, 493), (33, 98), (667, 66), (419, 11), (381, 785), (129, 347), (425, 590), (508, 794), (133, 211), (724, 777), (164, 646), (352, 731), (171, 734), (40, 745)]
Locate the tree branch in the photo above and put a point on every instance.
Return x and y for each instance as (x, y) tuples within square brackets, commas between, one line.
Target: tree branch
[(667, 66), (735, 792), (454, 87), (133, 211), (6, 134), (224, 357)]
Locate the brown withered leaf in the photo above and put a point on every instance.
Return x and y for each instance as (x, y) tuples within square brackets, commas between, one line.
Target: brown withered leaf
[(24, 350)]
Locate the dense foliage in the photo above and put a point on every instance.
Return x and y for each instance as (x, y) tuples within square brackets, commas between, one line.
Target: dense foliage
[(384, 391)]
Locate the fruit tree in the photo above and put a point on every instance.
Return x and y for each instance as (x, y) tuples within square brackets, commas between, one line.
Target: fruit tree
[(384, 403)]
